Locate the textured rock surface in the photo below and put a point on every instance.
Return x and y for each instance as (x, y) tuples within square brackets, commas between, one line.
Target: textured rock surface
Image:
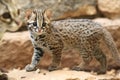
[(110, 9), (63, 74), (16, 51), (61, 8), (65, 9), (108, 23)]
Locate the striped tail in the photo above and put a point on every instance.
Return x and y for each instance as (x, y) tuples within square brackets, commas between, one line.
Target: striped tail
[(111, 45)]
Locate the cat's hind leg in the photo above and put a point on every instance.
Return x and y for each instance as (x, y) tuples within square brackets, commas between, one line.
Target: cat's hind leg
[(86, 59), (100, 56)]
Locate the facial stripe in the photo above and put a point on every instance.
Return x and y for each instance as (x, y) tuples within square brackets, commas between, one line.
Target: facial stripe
[(37, 21)]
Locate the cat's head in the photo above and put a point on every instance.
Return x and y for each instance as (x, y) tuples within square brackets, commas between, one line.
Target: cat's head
[(38, 20)]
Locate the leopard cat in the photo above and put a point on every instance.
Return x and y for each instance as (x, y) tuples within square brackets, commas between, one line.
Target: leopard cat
[(81, 34), (11, 18)]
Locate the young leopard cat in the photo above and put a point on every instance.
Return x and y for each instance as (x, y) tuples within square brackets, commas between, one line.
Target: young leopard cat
[(82, 34)]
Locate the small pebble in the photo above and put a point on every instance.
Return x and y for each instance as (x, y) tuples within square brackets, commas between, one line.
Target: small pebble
[(37, 71), (93, 73), (112, 72), (23, 77), (44, 73)]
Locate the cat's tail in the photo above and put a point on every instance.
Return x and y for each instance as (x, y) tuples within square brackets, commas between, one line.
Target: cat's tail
[(111, 45)]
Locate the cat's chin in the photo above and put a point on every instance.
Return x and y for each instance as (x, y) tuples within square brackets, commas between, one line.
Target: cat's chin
[(40, 33)]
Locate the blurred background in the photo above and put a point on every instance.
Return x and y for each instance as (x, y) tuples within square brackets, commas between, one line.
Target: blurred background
[(15, 47)]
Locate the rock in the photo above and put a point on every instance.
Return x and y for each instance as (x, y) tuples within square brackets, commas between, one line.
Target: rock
[(112, 72), (73, 79), (61, 75), (37, 71), (16, 50), (110, 9), (72, 9), (109, 24)]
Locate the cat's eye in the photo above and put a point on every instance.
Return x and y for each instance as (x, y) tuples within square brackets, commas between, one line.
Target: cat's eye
[(6, 15), (34, 23)]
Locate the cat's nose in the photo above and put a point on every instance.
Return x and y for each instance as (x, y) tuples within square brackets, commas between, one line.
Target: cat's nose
[(39, 30), (18, 22)]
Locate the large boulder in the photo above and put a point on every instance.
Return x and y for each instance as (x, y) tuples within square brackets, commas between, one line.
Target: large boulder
[(16, 50), (110, 9), (66, 9)]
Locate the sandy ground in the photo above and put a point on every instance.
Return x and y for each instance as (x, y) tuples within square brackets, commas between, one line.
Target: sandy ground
[(64, 74)]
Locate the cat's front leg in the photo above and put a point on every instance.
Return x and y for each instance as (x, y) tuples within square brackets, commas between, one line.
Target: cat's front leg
[(38, 53), (56, 58)]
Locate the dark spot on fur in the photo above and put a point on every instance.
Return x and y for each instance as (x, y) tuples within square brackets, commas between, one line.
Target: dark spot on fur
[(39, 51), (88, 32), (51, 48), (56, 35), (60, 29), (41, 36), (35, 39), (44, 45), (31, 36), (42, 39)]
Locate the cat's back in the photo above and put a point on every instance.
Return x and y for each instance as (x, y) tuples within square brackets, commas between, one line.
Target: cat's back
[(76, 24), (84, 27)]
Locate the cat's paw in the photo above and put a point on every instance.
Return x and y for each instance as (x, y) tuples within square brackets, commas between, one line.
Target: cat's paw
[(52, 68), (30, 67), (77, 68), (101, 72)]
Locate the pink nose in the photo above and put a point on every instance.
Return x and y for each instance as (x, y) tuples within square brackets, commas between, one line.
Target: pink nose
[(39, 30), (18, 22)]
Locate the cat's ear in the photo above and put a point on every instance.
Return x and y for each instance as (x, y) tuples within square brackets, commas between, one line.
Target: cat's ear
[(28, 13), (47, 15)]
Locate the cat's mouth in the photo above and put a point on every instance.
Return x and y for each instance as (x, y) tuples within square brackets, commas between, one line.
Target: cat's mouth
[(39, 31)]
